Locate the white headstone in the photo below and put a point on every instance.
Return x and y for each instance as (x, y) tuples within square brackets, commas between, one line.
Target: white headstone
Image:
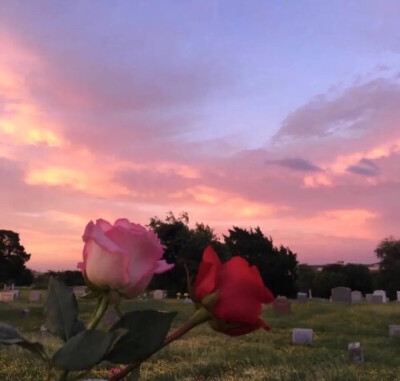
[(398, 296), (394, 331), (368, 298), (302, 336), (381, 292), (35, 296), (356, 297), (302, 297), (310, 293), (356, 354), (377, 299), (7, 296), (341, 295), (158, 294)]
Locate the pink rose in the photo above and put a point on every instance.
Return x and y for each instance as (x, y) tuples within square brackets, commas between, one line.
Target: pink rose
[(122, 257)]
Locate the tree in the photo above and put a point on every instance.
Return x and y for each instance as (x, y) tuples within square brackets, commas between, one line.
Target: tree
[(12, 257), (277, 266), (305, 278), (388, 253), (184, 247)]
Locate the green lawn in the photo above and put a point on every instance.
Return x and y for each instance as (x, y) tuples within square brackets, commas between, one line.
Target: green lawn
[(206, 355)]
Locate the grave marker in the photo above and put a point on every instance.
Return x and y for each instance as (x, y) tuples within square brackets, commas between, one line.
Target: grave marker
[(356, 297), (341, 295), (394, 331), (377, 299), (282, 305), (302, 297), (302, 336), (356, 355), (381, 292), (35, 296)]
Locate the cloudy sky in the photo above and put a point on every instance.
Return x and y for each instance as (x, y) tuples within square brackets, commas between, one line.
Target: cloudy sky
[(283, 115)]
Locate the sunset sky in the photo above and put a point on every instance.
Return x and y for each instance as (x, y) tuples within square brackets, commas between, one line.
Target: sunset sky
[(283, 115)]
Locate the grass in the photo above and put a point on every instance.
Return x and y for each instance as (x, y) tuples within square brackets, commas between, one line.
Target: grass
[(206, 355)]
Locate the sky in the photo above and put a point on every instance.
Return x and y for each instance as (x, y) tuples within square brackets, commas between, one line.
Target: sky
[(283, 115)]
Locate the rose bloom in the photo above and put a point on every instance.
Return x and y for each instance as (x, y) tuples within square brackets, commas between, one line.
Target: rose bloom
[(233, 292), (122, 257)]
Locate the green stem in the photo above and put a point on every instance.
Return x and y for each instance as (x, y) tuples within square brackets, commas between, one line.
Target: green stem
[(101, 309), (201, 316)]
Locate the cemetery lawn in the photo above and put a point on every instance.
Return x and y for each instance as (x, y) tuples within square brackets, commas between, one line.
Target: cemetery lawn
[(206, 355)]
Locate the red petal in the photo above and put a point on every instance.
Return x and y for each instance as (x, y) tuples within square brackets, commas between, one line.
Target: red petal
[(247, 328), (241, 293), (209, 269)]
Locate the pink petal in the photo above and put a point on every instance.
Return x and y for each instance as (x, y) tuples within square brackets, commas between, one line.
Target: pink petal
[(104, 225), (163, 266), (105, 268)]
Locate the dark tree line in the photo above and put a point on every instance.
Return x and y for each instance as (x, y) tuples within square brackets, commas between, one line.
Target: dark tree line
[(185, 246), (278, 266), (12, 260)]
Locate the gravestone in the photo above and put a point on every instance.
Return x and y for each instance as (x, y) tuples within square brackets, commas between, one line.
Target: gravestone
[(368, 298), (394, 331), (341, 295), (302, 336), (356, 355), (381, 292), (178, 295), (15, 292), (302, 297), (377, 299), (158, 294), (398, 296), (356, 297), (35, 296), (79, 291), (110, 318), (282, 305), (7, 296)]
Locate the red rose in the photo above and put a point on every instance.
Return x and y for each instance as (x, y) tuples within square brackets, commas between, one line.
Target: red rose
[(233, 292)]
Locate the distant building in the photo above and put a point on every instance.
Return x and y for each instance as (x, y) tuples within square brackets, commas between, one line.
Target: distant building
[(374, 267)]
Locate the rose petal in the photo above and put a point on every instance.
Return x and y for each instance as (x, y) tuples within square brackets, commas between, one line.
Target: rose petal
[(209, 270), (163, 266), (240, 295), (247, 328), (105, 268)]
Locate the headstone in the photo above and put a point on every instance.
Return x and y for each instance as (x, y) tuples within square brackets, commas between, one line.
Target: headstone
[(158, 294), (302, 297), (15, 292), (356, 297), (356, 355), (110, 318), (282, 305), (381, 292), (35, 296), (79, 291), (394, 331), (377, 299), (368, 298), (302, 336), (43, 330), (25, 313), (398, 296), (7, 296), (341, 295), (310, 293), (178, 295)]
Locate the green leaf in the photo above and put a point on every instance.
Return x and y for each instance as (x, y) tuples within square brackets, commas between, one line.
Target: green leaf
[(10, 336), (61, 310), (146, 332), (86, 349)]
